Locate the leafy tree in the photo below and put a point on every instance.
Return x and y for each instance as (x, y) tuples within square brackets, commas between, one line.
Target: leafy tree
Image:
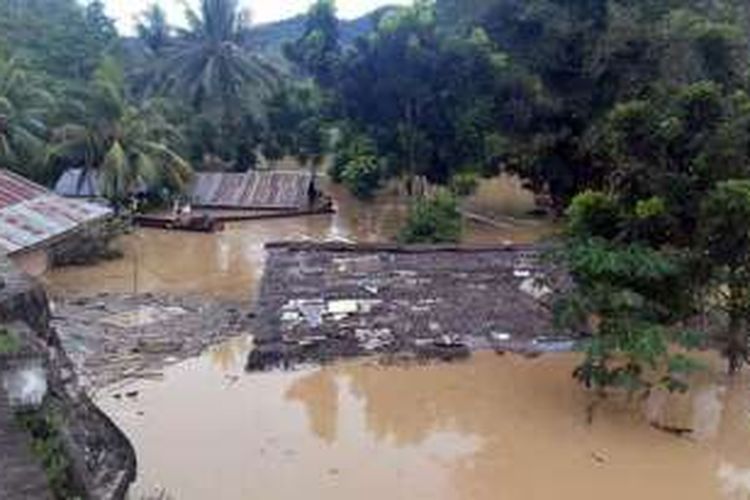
[(128, 146), (318, 50), (154, 30), (58, 37), (725, 234), (431, 101), (630, 296), (297, 125), (207, 62), (24, 109), (586, 57), (434, 219)]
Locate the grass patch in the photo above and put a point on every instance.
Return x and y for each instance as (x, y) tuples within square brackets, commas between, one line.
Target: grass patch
[(10, 344), (47, 446)]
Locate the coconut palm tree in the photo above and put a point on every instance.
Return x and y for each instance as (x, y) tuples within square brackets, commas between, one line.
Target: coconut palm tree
[(153, 29), (24, 106), (208, 62), (126, 146)]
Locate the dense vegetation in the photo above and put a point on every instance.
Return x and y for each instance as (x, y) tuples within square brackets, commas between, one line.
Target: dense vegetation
[(632, 117)]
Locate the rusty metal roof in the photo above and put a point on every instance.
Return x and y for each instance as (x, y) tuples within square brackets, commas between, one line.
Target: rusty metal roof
[(252, 190), (30, 215)]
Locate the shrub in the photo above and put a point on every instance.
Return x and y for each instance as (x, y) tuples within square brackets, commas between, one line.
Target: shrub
[(433, 220), (594, 214), (9, 343), (464, 184), (362, 176)]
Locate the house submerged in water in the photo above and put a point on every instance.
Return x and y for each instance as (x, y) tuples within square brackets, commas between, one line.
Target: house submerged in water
[(321, 301), (35, 222)]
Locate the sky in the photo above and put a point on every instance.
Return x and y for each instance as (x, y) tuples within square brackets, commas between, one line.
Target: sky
[(263, 11)]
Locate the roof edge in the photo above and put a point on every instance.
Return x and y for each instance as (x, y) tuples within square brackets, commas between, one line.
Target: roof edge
[(300, 246)]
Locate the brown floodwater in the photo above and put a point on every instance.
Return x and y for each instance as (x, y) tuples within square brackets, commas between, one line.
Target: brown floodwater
[(489, 428), (229, 264)]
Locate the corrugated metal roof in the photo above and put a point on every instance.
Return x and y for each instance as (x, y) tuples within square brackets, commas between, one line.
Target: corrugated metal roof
[(78, 183), (252, 190), (30, 215)]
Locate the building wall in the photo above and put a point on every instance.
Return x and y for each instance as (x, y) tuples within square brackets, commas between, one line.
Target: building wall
[(33, 262)]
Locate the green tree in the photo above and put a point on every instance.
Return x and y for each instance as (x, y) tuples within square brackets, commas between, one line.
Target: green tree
[(630, 296), (725, 244), (208, 63), (585, 57), (128, 146), (318, 50), (154, 29), (59, 37), (24, 110), (431, 101), (297, 125), (435, 219)]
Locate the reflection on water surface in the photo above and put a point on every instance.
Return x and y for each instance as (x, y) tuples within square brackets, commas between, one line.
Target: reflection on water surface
[(493, 427), (229, 264)]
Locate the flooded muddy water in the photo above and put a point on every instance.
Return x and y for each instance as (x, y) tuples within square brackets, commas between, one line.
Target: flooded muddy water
[(488, 428), (228, 264), (492, 427)]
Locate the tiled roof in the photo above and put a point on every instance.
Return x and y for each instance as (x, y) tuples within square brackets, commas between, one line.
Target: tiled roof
[(30, 215)]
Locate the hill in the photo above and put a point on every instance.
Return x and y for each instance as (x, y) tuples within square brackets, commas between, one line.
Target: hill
[(270, 38)]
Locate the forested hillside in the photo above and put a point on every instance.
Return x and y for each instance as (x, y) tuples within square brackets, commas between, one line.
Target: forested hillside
[(270, 38)]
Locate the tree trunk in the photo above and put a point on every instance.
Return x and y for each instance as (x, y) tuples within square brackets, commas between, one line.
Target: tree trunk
[(736, 345), (736, 348)]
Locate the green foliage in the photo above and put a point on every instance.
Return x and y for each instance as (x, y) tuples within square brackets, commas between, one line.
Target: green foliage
[(726, 223), (464, 184), (127, 145), (586, 60), (357, 165), (594, 213), (58, 37), (10, 344), (25, 106), (428, 100), (362, 175), (725, 245), (45, 428), (297, 124), (154, 30), (631, 294), (318, 50), (630, 300), (206, 64), (435, 219)]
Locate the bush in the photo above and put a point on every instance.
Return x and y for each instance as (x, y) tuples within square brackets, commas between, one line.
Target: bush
[(362, 175), (594, 214), (357, 165), (10, 344), (433, 220), (464, 184)]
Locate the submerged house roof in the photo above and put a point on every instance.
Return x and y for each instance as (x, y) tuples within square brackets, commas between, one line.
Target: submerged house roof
[(284, 190), (30, 215), (78, 183), (84, 183), (322, 300)]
